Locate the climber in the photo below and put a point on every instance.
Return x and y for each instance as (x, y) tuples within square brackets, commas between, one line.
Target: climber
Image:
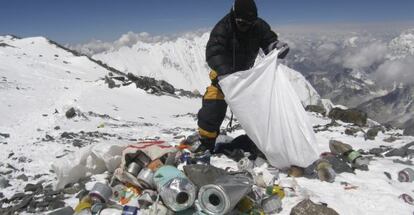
[(233, 46)]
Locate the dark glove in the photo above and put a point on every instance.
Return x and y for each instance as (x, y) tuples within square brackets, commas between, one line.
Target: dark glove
[(281, 46)]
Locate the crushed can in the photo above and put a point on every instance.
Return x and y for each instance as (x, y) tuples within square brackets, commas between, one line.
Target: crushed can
[(406, 175), (147, 198), (185, 158), (407, 198), (222, 196), (134, 168), (325, 171), (176, 190), (129, 210), (145, 178), (100, 193), (203, 158), (272, 204), (245, 164), (155, 164)]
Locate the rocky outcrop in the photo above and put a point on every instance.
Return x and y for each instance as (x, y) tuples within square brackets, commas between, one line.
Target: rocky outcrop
[(350, 116), (307, 207)]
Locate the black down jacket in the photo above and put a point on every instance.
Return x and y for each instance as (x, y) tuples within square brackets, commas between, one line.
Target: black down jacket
[(229, 50)]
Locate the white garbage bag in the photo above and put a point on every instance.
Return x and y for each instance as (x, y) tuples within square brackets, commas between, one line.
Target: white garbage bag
[(269, 110), (88, 161)]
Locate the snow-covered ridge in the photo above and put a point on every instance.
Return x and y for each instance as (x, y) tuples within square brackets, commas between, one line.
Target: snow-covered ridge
[(181, 62)]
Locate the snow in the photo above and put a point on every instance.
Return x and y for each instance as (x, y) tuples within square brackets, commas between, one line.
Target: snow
[(32, 86)]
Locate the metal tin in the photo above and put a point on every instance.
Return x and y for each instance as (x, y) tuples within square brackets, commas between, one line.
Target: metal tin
[(272, 204), (155, 164), (100, 192), (245, 164), (145, 178), (134, 168), (407, 198), (147, 198), (406, 175), (176, 190), (143, 158), (222, 196), (130, 210)]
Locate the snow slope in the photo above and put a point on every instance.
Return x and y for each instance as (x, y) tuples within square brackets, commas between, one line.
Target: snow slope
[(36, 91)]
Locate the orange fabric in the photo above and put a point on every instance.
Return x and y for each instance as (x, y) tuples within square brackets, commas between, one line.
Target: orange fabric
[(207, 134), (213, 93)]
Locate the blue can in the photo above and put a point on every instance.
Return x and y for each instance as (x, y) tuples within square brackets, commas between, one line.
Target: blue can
[(130, 210)]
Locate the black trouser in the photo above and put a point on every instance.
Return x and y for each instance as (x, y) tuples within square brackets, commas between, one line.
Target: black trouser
[(213, 110)]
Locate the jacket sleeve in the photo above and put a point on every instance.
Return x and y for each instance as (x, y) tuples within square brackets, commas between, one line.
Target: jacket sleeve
[(268, 37), (218, 54)]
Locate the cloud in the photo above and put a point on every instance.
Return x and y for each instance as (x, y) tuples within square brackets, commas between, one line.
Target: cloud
[(365, 56), (128, 39), (396, 71)]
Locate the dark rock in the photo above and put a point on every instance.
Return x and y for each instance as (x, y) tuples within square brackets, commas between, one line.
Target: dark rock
[(401, 152), (316, 109), (48, 138), (11, 167), (17, 196), (42, 204), (33, 187), (373, 132), (63, 211), (350, 116), (110, 82), (24, 203), (56, 204), (388, 175), (352, 131), (77, 143), (5, 135), (4, 183), (57, 128), (52, 192), (110, 74), (119, 78), (72, 190), (390, 139), (70, 113), (10, 155), (409, 131), (407, 162), (67, 135), (22, 177), (23, 159), (339, 165), (307, 207)]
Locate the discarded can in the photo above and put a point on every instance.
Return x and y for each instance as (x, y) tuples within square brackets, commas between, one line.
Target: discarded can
[(185, 158), (272, 204), (134, 168), (245, 205), (202, 159), (147, 198), (145, 178), (97, 208), (245, 164), (176, 190), (155, 164), (325, 171), (222, 196), (406, 175), (100, 193), (143, 158), (130, 210), (407, 198), (275, 190)]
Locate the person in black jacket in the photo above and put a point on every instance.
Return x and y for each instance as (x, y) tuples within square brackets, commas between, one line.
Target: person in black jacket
[(233, 46)]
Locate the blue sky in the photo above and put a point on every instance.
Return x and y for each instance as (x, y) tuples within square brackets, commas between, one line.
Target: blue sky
[(75, 21)]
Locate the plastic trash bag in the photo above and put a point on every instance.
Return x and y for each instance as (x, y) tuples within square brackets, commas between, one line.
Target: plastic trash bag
[(271, 113)]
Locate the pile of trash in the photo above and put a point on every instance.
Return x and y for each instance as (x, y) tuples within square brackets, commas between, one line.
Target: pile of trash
[(155, 177)]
